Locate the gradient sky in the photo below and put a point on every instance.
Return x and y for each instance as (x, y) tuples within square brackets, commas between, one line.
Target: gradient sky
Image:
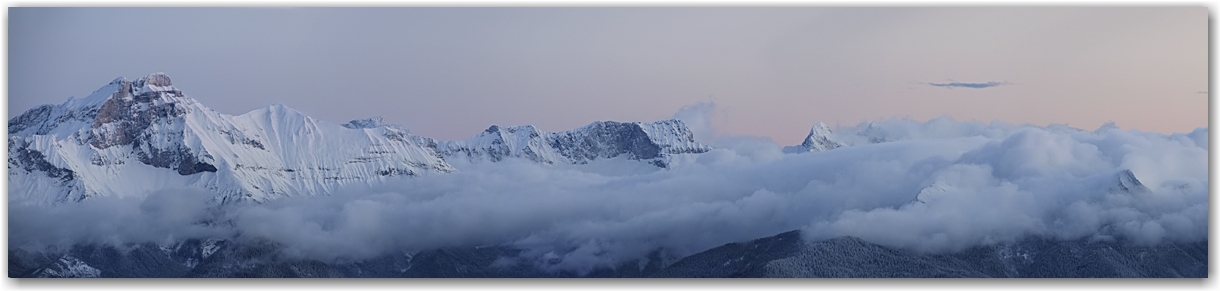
[(449, 73)]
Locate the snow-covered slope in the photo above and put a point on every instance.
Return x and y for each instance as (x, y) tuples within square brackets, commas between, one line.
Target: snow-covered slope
[(68, 267), (130, 138), (133, 137), (654, 143)]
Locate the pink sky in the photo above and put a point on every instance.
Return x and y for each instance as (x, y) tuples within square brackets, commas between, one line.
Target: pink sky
[(450, 73)]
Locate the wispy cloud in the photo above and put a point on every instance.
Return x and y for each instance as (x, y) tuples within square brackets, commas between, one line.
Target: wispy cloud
[(969, 85)]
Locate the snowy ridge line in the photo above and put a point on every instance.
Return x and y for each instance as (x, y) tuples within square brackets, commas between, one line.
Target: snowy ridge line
[(651, 142), (129, 138)]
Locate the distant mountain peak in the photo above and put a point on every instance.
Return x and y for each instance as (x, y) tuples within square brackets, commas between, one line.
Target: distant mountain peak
[(650, 142), (821, 138), (1127, 182)]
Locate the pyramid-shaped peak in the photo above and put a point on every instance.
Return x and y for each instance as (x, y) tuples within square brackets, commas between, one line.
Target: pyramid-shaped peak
[(820, 128), (1127, 182), (821, 138)]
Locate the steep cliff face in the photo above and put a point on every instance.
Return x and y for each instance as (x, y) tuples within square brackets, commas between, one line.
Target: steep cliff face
[(134, 137)]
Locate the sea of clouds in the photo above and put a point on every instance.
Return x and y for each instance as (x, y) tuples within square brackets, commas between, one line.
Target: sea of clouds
[(935, 186)]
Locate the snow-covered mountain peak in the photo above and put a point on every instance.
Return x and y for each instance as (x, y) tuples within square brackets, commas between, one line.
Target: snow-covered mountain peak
[(653, 142), (155, 88), (100, 95), (820, 129), (821, 138), (136, 106), (134, 137), (118, 80), (118, 100), (1127, 182)]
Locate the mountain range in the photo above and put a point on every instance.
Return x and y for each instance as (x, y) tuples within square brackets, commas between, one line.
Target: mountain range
[(149, 131), (134, 137)]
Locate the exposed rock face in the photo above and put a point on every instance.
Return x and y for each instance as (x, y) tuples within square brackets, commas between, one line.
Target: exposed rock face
[(179, 159), (497, 143), (62, 182), (34, 117), (649, 142), (43, 119), (21, 156), (155, 79), (132, 110), (607, 139), (141, 112)]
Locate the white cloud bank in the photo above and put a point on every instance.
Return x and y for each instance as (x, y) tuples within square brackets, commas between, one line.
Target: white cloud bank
[(935, 186)]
